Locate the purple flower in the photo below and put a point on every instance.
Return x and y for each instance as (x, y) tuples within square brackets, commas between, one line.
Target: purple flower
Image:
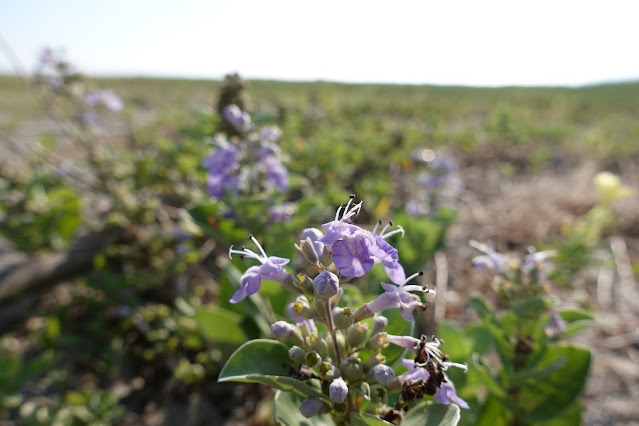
[(398, 296), (338, 390), (538, 260), (447, 394), (239, 119), (271, 268), (282, 212), (353, 254), (492, 260), (275, 174), (356, 250), (224, 169), (105, 97)]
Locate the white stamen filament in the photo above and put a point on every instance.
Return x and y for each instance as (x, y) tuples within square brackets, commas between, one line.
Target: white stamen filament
[(258, 246), (379, 222), (399, 230)]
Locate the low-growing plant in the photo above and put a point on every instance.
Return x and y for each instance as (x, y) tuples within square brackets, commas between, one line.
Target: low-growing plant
[(341, 354)]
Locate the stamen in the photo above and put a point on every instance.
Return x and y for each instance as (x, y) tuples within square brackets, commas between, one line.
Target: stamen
[(259, 246), (350, 200), (416, 274), (385, 228), (399, 230), (379, 222), (338, 210)]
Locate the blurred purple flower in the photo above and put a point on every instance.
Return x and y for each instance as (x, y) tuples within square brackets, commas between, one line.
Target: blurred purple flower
[(239, 119), (492, 259), (281, 212), (270, 133), (275, 174), (105, 97), (223, 169)]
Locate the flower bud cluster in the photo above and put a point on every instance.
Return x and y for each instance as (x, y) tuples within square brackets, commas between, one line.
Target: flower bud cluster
[(347, 353)]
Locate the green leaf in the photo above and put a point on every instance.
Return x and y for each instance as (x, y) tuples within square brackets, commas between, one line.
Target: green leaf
[(219, 325), (286, 411), (431, 414), (265, 361), (366, 419), (494, 414), (569, 417), (481, 307), (530, 308), (544, 399), (455, 344), (576, 321)]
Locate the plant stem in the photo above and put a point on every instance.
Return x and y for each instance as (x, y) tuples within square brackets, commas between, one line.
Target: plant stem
[(331, 328)]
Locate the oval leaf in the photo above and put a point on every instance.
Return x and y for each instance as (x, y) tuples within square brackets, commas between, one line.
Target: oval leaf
[(219, 325), (265, 361), (432, 414), (547, 398)]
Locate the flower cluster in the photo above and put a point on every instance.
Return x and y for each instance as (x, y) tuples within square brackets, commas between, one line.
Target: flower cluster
[(341, 252), (58, 77), (440, 185), (248, 164), (520, 277)]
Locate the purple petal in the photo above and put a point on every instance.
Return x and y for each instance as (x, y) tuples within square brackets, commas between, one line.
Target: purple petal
[(351, 258)]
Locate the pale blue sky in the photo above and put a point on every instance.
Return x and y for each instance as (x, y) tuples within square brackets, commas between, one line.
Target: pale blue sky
[(486, 43)]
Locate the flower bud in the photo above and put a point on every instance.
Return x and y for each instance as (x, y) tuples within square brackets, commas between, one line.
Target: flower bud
[(381, 373), (356, 334), (297, 354), (379, 394), (375, 358), (351, 368), (305, 283), (328, 371), (342, 318), (377, 341), (313, 359), (319, 345), (338, 391), (379, 324), (362, 313), (326, 284), (300, 309), (282, 330), (312, 407), (308, 251)]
